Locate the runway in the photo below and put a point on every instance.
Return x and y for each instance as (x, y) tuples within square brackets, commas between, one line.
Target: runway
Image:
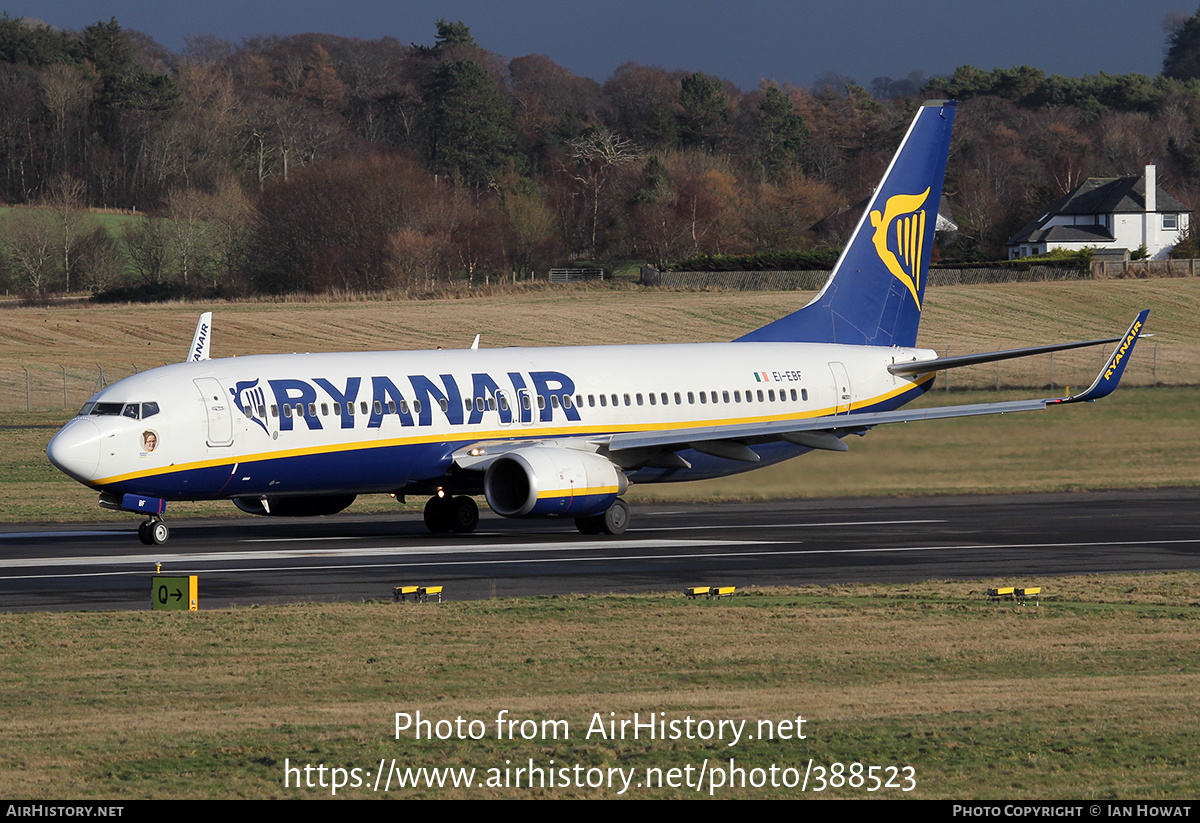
[(247, 561)]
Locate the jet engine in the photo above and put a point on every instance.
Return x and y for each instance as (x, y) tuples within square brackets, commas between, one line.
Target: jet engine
[(541, 481), (306, 506)]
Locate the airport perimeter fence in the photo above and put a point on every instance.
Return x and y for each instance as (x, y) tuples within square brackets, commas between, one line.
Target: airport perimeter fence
[(813, 280), (62, 387)]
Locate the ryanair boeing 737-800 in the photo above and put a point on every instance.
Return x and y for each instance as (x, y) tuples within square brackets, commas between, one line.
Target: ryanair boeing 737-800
[(547, 431)]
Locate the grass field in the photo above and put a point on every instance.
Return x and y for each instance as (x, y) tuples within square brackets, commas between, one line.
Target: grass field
[(74, 342), (1090, 695)]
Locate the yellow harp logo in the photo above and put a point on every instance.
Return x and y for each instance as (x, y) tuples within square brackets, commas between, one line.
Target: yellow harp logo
[(906, 213)]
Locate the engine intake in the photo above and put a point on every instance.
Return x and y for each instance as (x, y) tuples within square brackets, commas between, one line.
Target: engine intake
[(543, 481)]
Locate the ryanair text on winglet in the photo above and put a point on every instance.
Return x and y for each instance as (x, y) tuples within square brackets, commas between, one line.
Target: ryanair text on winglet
[(1125, 344)]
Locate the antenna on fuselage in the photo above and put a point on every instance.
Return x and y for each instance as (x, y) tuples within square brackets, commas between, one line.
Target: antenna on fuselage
[(199, 350), (475, 345)]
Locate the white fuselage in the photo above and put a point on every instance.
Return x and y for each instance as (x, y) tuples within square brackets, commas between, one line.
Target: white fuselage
[(383, 421)]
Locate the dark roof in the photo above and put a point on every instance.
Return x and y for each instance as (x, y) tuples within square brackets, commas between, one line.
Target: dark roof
[(1067, 234), (1098, 195), (1114, 195)]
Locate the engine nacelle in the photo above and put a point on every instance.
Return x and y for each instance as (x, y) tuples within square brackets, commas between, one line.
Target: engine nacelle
[(307, 506), (541, 481)]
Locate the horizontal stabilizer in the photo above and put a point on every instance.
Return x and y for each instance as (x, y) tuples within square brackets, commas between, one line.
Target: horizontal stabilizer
[(926, 366)]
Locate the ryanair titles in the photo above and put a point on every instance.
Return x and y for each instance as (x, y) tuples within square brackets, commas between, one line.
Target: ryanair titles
[(416, 400), (1119, 355)]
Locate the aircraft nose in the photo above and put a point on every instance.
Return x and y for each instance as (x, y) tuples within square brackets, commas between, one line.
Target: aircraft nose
[(75, 450)]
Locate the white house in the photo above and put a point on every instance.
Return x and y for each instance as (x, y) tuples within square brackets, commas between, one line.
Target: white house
[(1107, 213)]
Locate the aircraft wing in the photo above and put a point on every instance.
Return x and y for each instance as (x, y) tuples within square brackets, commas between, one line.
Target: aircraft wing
[(815, 432), (1105, 383)]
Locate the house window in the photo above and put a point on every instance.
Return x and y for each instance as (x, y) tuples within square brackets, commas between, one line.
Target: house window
[(1170, 222)]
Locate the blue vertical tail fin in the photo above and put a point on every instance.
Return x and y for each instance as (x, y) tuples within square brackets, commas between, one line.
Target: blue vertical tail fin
[(874, 295)]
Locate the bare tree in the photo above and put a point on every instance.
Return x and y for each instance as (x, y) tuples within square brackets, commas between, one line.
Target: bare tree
[(28, 236), (597, 155), (66, 199)]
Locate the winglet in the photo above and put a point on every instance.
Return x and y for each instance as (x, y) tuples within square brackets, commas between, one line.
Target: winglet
[(200, 341), (1110, 376)]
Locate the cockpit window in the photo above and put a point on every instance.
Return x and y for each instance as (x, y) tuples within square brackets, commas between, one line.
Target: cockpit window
[(134, 411)]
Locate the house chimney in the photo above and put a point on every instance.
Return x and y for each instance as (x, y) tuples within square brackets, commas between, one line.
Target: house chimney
[(1151, 189)]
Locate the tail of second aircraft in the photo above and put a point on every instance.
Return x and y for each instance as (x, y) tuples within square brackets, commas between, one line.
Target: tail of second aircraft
[(873, 297)]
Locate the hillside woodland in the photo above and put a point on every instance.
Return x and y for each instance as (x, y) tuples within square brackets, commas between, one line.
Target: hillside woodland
[(315, 163)]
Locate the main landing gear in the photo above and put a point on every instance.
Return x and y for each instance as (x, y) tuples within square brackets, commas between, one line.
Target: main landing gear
[(451, 514), (613, 521), (153, 532)]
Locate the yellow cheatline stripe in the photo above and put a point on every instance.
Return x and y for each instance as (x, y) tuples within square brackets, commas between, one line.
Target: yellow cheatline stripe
[(578, 492), (514, 432)]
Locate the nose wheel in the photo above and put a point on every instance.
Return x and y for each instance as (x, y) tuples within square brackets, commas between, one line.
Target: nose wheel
[(153, 532)]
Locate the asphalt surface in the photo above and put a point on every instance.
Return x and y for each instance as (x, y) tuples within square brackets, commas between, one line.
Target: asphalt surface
[(267, 560)]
